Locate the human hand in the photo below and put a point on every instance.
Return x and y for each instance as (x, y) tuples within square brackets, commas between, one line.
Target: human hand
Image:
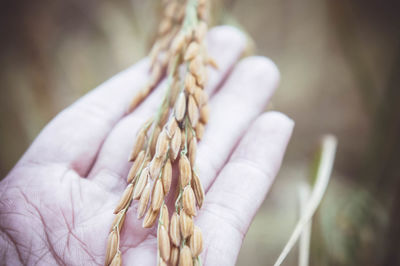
[(56, 205)]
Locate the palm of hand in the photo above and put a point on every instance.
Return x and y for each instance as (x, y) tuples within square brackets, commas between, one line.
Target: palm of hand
[(56, 204)]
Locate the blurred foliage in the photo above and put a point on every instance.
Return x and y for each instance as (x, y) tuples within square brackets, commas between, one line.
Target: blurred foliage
[(340, 65)]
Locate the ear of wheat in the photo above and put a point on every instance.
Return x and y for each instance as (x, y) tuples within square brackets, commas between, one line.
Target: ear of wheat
[(170, 137)]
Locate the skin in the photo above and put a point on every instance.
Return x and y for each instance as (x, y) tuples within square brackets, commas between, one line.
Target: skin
[(56, 204)]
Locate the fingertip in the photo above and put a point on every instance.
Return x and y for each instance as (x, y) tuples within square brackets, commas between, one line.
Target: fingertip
[(263, 69), (280, 120), (225, 37)]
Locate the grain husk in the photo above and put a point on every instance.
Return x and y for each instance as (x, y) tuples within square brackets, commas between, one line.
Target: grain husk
[(196, 242), (144, 201), (125, 199), (185, 171), (141, 183), (163, 243), (174, 230), (185, 224), (185, 257), (157, 196), (189, 201)]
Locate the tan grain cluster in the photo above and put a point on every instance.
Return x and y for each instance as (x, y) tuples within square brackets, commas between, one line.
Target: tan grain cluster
[(170, 138), (174, 11)]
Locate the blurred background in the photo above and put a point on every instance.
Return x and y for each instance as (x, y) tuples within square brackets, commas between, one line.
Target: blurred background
[(340, 67)]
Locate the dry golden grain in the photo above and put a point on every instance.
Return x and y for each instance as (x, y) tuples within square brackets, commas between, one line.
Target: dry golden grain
[(170, 9), (196, 242), (195, 65), (112, 246), (178, 43), (201, 77), (135, 167), (144, 201), (155, 167), (118, 217), (167, 176), (185, 171), (175, 144), (150, 218), (125, 199), (199, 130), (140, 140), (192, 151), (165, 216), (185, 257), (164, 27), (174, 257), (180, 107), (157, 197), (193, 111), (185, 224), (190, 83), (189, 201), (205, 114), (174, 230), (212, 63), (117, 260), (141, 183), (202, 12), (198, 189), (163, 243), (156, 74), (138, 98), (200, 96), (162, 144), (200, 31), (192, 51), (153, 143), (171, 126)]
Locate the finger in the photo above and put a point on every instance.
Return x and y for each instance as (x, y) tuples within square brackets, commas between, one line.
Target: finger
[(241, 99), (226, 45), (241, 187), (74, 136)]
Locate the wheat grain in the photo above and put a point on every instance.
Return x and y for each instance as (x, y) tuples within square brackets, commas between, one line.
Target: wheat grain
[(126, 197), (185, 257), (185, 171), (157, 196), (196, 242), (174, 229), (144, 201), (192, 150), (197, 189), (150, 218), (135, 167), (112, 247), (167, 176), (174, 257), (185, 224), (180, 107), (189, 201), (141, 183)]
